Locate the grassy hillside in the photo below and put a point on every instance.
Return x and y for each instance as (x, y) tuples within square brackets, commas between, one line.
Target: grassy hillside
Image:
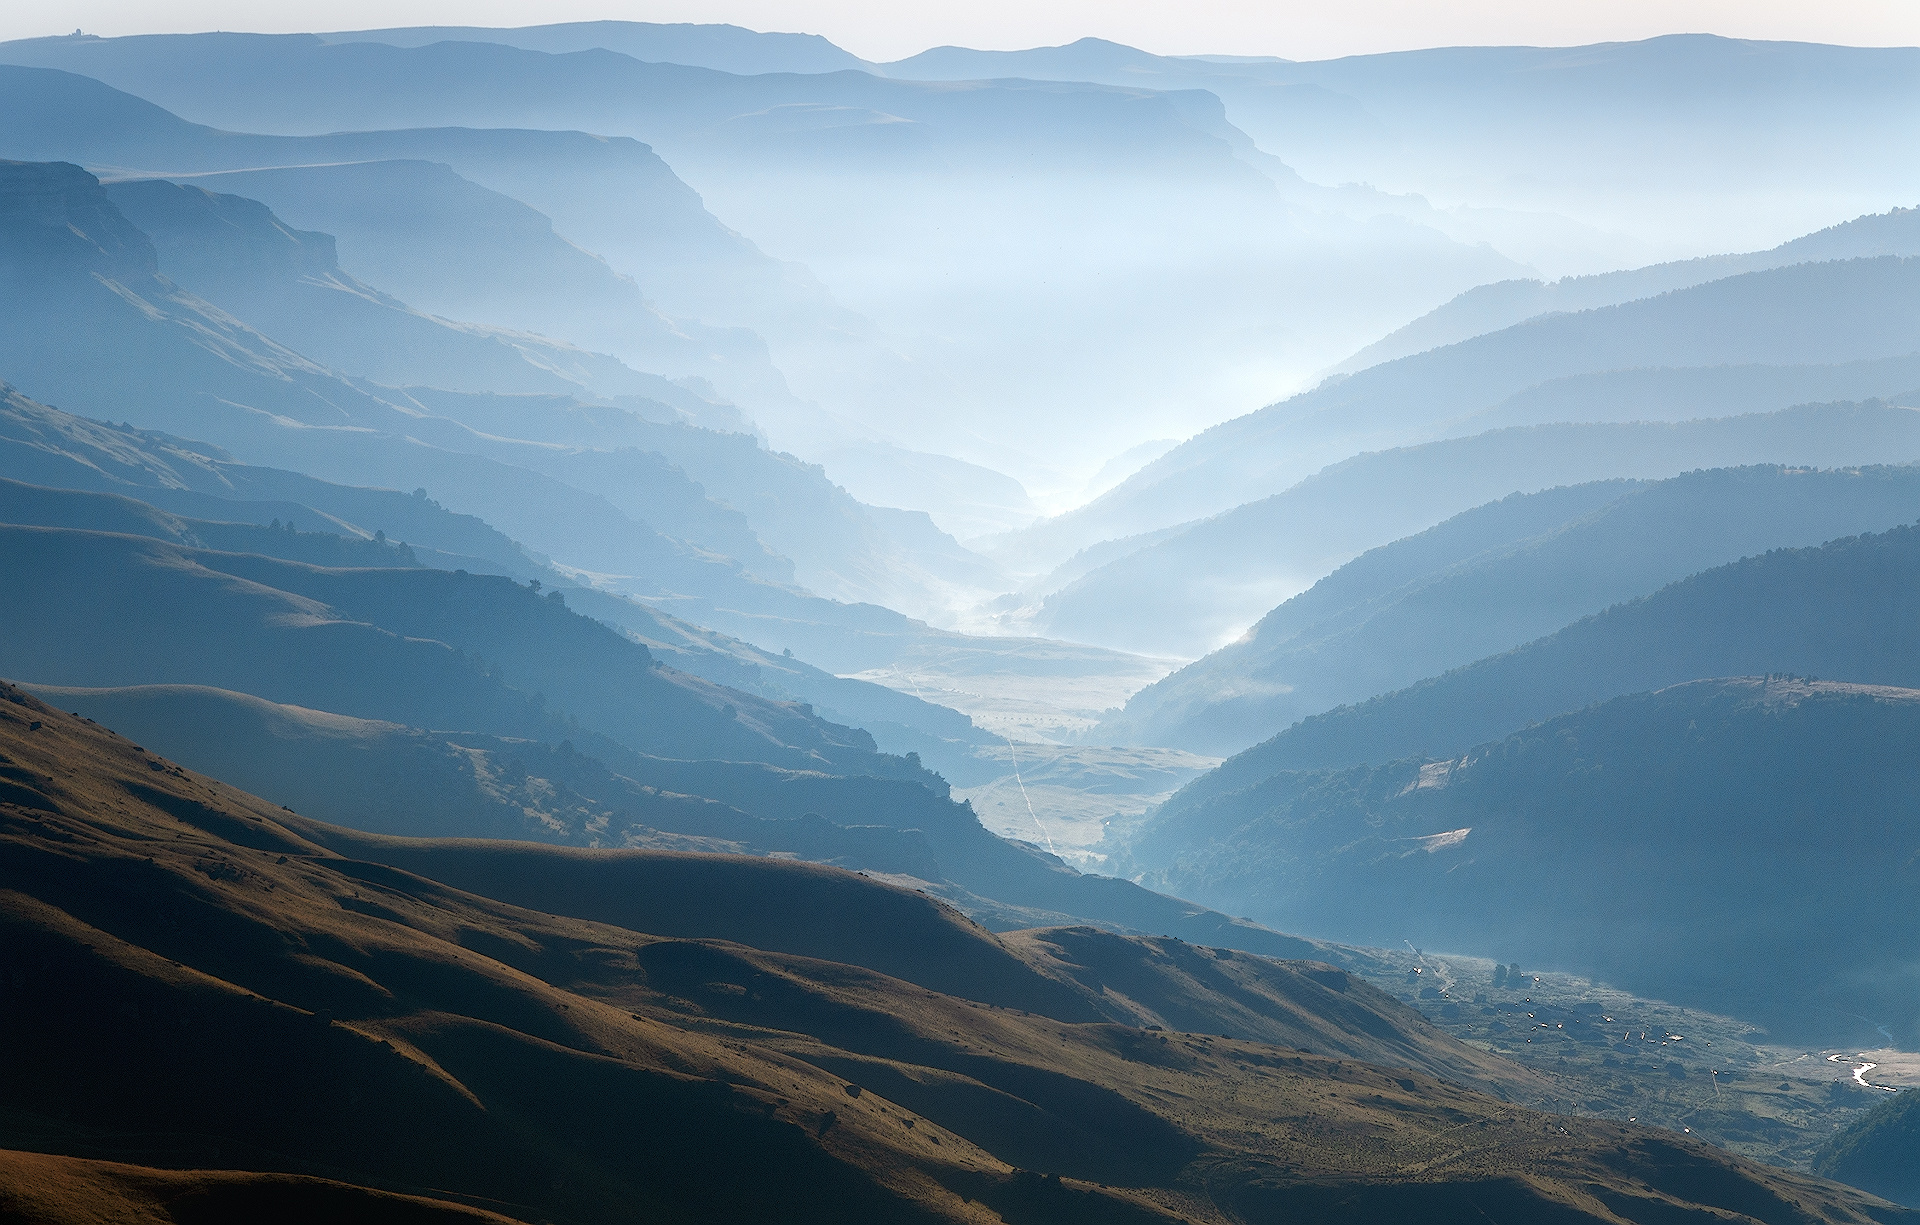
[(422, 647), (1703, 843), (395, 780), (75, 1191), (384, 1031), (1843, 611), (901, 721), (1360, 632), (1880, 1153), (50, 448)]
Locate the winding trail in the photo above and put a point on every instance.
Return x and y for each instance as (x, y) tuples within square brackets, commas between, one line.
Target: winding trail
[(1034, 816), (1011, 756)]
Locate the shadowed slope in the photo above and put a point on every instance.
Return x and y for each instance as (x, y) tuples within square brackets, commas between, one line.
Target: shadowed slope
[(1357, 634), (394, 780), (1194, 591), (54, 1190), (901, 721), (429, 648), (235, 253), (1717, 842), (120, 608), (407, 1036), (1847, 610), (1880, 1153)]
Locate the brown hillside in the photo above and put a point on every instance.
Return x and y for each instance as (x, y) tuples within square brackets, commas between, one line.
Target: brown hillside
[(203, 986), (51, 1190)]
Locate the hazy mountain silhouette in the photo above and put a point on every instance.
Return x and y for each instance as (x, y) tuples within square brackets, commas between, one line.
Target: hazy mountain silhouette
[(1805, 314), (49, 448), (453, 248), (286, 282), (1190, 592), (1696, 133), (209, 376), (1357, 634), (1686, 393), (38, 506), (725, 47), (242, 258), (1489, 308), (1669, 842), (396, 1032), (190, 369), (684, 258), (204, 375), (44, 446), (1840, 611), (962, 194), (248, 262), (290, 84)]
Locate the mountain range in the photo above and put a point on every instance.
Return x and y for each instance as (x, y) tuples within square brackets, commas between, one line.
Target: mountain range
[(1492, 578), (964, 193), (1835, 611), (1816, 314), (230, 385), (1489, 308), (1671, 138), (1252, 557), (594, 474)]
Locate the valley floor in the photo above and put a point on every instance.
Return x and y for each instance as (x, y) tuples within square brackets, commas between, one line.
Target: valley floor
[(1047, 691), (1069, 799), (1618, 1056)]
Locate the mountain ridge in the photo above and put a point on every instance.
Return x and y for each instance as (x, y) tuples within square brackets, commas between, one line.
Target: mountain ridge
[(395, 1005), (1581, 842), (1615, 541), (1780, 316), (1836, 610)]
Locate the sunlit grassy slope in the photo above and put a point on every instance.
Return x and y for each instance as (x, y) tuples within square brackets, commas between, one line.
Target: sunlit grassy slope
[(206, 985)]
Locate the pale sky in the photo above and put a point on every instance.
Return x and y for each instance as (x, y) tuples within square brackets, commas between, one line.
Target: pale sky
[(891, 29)]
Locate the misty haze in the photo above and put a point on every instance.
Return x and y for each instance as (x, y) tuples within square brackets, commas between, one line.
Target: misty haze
[(615, 622)]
